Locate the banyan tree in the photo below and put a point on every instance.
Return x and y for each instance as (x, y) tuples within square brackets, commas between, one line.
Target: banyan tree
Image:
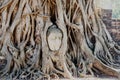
[(45, 39)]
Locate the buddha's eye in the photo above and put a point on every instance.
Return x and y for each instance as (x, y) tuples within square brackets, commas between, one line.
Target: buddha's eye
[(53, 38), (59, 37)]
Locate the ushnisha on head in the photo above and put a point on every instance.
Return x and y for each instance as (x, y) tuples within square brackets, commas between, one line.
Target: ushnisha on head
[(54, 38)]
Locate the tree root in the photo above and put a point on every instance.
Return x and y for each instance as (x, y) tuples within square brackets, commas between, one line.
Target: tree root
[(85, 45)]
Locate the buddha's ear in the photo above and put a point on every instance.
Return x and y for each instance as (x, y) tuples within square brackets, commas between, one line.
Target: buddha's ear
[(3, 62)]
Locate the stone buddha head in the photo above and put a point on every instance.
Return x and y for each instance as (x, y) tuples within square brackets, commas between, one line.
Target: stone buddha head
[(54, 38)]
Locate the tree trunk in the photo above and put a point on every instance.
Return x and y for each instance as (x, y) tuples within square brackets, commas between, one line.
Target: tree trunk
[(44, 39)]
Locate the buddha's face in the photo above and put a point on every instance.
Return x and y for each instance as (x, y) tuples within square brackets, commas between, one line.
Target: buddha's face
[(54, 40)]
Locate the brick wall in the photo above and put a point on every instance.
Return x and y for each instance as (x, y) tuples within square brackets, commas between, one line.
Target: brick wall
[(113, 25)]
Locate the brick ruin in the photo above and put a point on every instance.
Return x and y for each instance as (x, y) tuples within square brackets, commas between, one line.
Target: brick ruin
[(113, 25)]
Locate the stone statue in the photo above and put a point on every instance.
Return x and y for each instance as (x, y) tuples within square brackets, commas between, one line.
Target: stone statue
[(54, 38)]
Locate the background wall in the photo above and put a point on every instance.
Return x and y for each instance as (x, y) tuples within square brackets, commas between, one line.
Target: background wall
[(114, 5)]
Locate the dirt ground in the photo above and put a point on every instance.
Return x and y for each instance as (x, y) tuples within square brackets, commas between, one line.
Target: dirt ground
[(93, 79)]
